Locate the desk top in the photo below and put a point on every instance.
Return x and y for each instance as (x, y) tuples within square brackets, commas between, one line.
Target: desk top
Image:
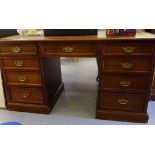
[(139, 36)]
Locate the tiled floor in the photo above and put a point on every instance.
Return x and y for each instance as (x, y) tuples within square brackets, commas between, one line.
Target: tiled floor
[(77, 103)]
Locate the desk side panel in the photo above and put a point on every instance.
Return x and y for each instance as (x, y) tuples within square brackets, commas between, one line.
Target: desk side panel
[(2, 98), (51, 73)]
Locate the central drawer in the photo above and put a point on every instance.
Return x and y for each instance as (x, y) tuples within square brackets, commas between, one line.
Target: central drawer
[(27, 95), (23, 78), (125, 82), (122, 101), (67, 49)]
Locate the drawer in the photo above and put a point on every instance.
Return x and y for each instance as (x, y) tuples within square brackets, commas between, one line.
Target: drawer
[(67, 49), (127, 65), (129, 49), (24, 78), (125, 102), (124, 82), (20, 63), (27, 95), (17, 49)]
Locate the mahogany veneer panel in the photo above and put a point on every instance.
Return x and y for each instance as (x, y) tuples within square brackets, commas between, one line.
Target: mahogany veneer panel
[(26, 49), (21, 63), (127, 65), (26, 95)]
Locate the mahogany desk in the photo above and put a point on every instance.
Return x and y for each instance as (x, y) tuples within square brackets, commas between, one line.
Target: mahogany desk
[(32, 81)]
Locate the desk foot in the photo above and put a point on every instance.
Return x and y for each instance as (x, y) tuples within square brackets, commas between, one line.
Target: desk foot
[(22, 107), (122, 116)]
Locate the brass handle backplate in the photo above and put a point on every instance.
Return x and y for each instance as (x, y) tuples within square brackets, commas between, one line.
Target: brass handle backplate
[(123, 101), (22, 78), (126, 65), (16, 49), (26, 95), (125, 83), (19, 63), (68, 49), (128, 49)]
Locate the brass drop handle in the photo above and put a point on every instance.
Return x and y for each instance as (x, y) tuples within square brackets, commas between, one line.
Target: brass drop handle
[(16, 49), (19, 63), (126, 65), (68, 49), (125, 83), (26, 95), (128, 49), (123, 101), (22, 78)]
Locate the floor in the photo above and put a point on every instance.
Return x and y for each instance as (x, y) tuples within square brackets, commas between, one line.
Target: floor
[(76, 106)]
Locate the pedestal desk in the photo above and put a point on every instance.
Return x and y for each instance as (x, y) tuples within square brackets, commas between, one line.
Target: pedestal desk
[(32, 81)]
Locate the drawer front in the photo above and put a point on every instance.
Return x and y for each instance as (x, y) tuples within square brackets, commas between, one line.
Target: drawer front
[(24, 78), (67, 49), (128, 102), (20, 63), (125, 82), (27, 95), (127, 65), (17, 49), (129, 49)]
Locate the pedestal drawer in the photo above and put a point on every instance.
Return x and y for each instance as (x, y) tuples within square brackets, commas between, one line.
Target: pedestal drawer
[(127, 65), (26, 95), (17, 49), (125, 82), (129, 49), (23, 78), (125, 102), (20, 63)]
